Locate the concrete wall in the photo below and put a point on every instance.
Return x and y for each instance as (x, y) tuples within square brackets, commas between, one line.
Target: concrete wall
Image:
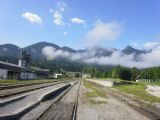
[(56, 75), (32, 76), (3, 74), (108, 83), (26, 75), (102, 82), (22, 63), (84, 76)]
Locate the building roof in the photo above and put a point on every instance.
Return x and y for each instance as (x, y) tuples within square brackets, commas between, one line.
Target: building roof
[(13, 67), (42, 73)]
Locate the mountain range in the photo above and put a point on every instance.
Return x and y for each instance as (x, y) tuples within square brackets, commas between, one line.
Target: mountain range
[(10, 52), (35, 50)]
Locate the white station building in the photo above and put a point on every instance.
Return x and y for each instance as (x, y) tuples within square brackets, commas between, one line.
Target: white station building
[(21, 71)]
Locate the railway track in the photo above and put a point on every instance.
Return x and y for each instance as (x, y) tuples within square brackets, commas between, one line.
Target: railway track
[(20, 90), (11, 86), (147, 110), (13, 96), (65, 108), (54, 99), (140, 106)]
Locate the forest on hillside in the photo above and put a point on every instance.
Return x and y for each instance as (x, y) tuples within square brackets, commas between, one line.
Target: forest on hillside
[(120, 72), (99, 71)]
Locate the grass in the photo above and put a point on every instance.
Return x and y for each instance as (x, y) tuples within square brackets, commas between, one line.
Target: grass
[(93, 93), (157, 84), (97, 102), (139, 91)]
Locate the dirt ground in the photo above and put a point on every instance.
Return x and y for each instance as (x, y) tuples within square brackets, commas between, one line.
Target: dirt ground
[(104, 108)]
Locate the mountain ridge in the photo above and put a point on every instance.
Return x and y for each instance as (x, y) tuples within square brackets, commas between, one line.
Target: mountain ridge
[(10, 52), (35, 49)]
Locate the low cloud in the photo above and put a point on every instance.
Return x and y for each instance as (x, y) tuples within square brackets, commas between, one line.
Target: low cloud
[(147, 45), (117, 58), (103, 32), (32, 17), (77, 20), (51, 53), (152, 45)]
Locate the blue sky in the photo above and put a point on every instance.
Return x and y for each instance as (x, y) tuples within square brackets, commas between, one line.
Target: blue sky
[(81, 23)]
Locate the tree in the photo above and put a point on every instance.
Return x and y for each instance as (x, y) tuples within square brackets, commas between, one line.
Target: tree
[(134, 73)]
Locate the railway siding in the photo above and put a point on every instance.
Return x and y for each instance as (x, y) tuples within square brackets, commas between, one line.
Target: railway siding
[(16, 109), (65, 108)]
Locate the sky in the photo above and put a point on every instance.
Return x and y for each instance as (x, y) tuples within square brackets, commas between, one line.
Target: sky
[(81, 23)]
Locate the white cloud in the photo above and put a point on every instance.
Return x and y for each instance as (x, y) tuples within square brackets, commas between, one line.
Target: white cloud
[(65, 33), (152, 58), (58, 18), (61, 6), (77, 20), (5, 49), (51, 10), (103, 32), (51, 53), (57, 13), (117, 58), (135, 44), (151, 45), (32, 17)]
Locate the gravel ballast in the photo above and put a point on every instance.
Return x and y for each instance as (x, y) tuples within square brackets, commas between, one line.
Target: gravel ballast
[(27, 101), (112, 109)]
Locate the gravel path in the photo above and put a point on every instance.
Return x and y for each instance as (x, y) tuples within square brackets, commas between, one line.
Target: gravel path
[(112, 109)]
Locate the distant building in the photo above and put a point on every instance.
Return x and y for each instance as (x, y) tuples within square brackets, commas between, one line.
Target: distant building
[(57, 75), (42, 73), (73, 74), (21, 71), (24, 60), (3, 73), (84, 76)]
